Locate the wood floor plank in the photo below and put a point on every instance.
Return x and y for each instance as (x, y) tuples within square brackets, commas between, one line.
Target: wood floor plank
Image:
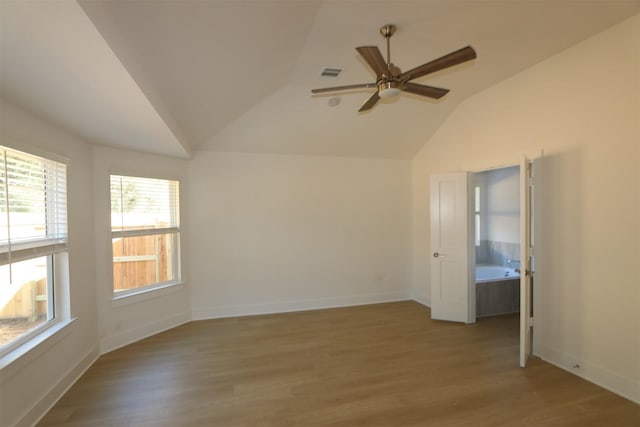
[(376, 365)]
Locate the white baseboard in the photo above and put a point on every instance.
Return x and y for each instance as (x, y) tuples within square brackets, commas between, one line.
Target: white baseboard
[(43, 405), (421, 297), (598, 375), (130, 336), (300, 305)]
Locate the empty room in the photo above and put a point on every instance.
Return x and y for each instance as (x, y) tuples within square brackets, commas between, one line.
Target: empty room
[(319, 212)]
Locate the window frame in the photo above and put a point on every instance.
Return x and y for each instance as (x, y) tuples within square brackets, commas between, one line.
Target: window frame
[(174, 231), (55, 248)]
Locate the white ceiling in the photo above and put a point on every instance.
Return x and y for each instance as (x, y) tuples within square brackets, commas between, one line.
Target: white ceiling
[(171, 76), (54, 63)]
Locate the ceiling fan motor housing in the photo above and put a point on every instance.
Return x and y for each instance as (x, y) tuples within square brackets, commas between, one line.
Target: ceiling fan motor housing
[(389, 88)]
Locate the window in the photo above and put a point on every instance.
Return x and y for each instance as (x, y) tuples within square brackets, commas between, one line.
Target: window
[(33, 243), (145, 233)]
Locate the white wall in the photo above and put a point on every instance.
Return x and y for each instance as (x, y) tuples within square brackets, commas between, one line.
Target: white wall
[(127, 320), (277, 233), (33, 382), (583, 107)]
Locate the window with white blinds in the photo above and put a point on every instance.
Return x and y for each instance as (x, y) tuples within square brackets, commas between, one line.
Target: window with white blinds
[(33, 206), (145, 233), (33, 246), (141, 206)]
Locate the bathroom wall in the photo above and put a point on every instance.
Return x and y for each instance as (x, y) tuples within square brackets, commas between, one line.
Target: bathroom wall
[(499, 216)]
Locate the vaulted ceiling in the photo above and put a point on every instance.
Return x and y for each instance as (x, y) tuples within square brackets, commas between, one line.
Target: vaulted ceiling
[(173, 76)]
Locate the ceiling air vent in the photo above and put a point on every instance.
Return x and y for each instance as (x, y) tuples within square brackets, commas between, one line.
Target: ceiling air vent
[(330, 72)]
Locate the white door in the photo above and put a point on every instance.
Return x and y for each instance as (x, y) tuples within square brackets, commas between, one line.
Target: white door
[(526, 259), (453, 295)]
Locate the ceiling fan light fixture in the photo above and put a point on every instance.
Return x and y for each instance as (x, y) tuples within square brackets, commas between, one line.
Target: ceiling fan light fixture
[(388, 89)]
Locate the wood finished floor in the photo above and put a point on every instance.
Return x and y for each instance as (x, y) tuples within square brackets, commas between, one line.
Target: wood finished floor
[(375, 365)]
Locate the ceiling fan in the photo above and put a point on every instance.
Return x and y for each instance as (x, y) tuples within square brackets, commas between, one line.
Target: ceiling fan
[(391, 81)]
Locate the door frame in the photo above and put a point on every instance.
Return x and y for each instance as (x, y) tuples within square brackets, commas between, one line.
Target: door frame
[(526, 259), (535, 215)]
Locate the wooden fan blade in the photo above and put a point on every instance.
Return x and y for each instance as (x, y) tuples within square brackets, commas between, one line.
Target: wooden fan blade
[(332, 89), (430, 91), (454, 58), (370, 102), (374, 58)]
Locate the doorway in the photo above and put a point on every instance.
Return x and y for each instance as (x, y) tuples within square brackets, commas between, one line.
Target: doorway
[(497, 241), (453, 245)]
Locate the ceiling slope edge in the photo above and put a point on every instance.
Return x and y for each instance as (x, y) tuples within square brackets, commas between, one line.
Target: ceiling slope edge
[(57, 65)]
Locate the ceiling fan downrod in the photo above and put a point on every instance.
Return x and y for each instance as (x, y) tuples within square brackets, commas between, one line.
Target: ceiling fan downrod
[(387, 31), (388, 86)]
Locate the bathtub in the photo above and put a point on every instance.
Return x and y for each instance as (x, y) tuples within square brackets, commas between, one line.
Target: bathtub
[(494, 273), (497, 290)]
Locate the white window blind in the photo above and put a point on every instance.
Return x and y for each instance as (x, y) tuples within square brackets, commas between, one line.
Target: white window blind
[(143, 206), (33, 206)]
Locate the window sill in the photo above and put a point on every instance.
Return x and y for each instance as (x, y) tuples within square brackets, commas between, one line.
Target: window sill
[(146, 294), (20, 357)]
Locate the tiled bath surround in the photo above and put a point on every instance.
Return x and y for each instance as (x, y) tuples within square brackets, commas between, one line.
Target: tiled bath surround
[(498, 253), (500, 296)]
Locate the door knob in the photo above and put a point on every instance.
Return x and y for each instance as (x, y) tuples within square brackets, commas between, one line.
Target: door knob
[(436, 254)]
